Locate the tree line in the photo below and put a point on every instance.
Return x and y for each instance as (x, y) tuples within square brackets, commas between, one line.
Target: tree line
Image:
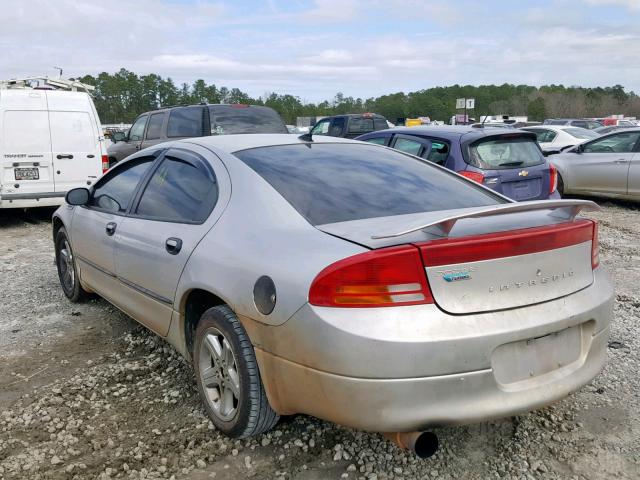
[(122, 96)]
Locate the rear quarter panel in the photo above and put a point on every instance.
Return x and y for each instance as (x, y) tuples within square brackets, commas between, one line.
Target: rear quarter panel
[(259, 234)]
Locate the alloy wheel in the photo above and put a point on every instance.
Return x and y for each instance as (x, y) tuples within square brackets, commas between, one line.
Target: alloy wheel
[(65, 264), (219, 374)]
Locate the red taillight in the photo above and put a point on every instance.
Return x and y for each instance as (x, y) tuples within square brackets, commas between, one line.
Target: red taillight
[(553, 178), (475, 176), (380, 278), (506, 244), (595, 247), (105, 163)]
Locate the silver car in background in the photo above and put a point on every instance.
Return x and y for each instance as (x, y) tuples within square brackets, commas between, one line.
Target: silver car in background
[(607, 166), (343, 280)]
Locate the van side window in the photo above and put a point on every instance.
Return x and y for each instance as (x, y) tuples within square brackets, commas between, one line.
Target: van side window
[(114, 191), (154, 130), (186, 122), (137, 129)]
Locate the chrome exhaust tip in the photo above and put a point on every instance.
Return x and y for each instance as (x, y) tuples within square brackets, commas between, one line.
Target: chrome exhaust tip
[(423, 444)]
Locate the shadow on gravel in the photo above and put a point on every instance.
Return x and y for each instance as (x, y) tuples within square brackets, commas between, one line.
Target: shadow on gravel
[(15, 217)]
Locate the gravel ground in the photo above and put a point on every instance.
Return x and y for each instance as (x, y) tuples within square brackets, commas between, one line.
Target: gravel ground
[(86, 393)]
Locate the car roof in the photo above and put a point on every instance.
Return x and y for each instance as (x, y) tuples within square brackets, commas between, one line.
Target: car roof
[(450, 132), (555, 127), (245, 141)]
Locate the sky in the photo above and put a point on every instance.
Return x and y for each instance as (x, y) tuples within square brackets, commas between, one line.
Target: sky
[(316, 48)]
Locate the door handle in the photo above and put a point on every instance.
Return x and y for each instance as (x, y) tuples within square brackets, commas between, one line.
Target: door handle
[(110, 228), (173, 245), (621, 161), (60, 156)]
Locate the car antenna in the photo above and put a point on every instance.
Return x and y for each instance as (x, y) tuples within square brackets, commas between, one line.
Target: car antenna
[(306, 137)]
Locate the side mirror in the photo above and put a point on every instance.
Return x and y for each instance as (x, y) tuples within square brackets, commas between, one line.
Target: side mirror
[(118, 137), (77, 196)]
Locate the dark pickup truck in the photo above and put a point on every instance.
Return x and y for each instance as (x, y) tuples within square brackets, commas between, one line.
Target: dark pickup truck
[(350, 126), (174, 123)]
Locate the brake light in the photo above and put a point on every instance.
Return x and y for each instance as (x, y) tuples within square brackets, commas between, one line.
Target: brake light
[(553, 178), (595, 247), (105, 163), (507, 244), (381, 278), (475, 176)]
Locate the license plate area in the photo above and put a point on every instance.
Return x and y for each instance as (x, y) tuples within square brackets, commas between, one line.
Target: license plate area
[(532, 358), (26, 174)]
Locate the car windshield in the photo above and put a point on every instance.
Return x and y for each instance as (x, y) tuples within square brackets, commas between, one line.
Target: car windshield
[(232, 119), (581, 133), (504, 152), (329, 182)]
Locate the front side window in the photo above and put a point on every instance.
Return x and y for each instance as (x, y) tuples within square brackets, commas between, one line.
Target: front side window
[(115, 190), (155, 126), (337, 127), (617, 143), (336, 182), (137, 129), (185, 122), (407, 145), (321, 128), (182, 189), (506, 152)]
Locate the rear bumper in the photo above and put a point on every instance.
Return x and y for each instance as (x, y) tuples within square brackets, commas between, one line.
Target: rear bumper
[(396, 405), (30, 200), (413, 367)]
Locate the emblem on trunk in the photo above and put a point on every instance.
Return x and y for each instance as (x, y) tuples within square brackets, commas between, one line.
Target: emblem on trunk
[(456, 276), (523, 173)]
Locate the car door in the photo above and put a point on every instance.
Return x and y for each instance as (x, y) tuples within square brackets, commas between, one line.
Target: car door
[(94, 225), (154, 131), (169, 218), (602, 165), (633, 182)]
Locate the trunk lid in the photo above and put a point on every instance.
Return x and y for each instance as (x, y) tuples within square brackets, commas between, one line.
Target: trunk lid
[(520, 183), (491, 258)]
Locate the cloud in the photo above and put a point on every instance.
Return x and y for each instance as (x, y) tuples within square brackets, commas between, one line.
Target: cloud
[(630, 4)]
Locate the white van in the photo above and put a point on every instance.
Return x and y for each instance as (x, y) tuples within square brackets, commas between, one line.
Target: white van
[(50, 142)]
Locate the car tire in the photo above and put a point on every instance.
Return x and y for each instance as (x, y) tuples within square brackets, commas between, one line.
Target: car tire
[(67, 269), (228, 378), (560, 186)]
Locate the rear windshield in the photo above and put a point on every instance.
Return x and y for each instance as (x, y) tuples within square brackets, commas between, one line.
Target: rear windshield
[(496, 153), (328, 183), (359, 125), (582, 133), (232, 119)]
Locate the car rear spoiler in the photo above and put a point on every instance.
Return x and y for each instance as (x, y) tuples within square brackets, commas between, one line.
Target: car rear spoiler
[(566, 209)]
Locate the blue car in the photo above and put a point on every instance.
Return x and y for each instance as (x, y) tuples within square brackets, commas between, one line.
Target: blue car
[(508, 161)]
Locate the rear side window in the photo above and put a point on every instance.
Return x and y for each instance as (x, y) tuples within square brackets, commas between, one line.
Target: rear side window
[(231, 119), (154, 130), (328, 183), (439, 152), (337, 127), (380, 123), (180, 190), (543, 135), (359, 125), (504, 152), (115, 190), (185, 122), (378, 140), (581, 133), (407, 145)]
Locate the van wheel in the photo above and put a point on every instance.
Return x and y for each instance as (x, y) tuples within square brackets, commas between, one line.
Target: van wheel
[(228, 378), (67, 270)]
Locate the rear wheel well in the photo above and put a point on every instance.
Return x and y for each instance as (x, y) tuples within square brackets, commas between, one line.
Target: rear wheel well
[(198, 301)]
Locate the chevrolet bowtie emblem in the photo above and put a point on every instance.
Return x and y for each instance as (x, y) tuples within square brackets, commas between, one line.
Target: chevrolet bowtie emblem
[(523, 173)]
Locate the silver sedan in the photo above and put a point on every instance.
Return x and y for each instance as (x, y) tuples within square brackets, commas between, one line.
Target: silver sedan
[(343, 280), (608, 166)]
